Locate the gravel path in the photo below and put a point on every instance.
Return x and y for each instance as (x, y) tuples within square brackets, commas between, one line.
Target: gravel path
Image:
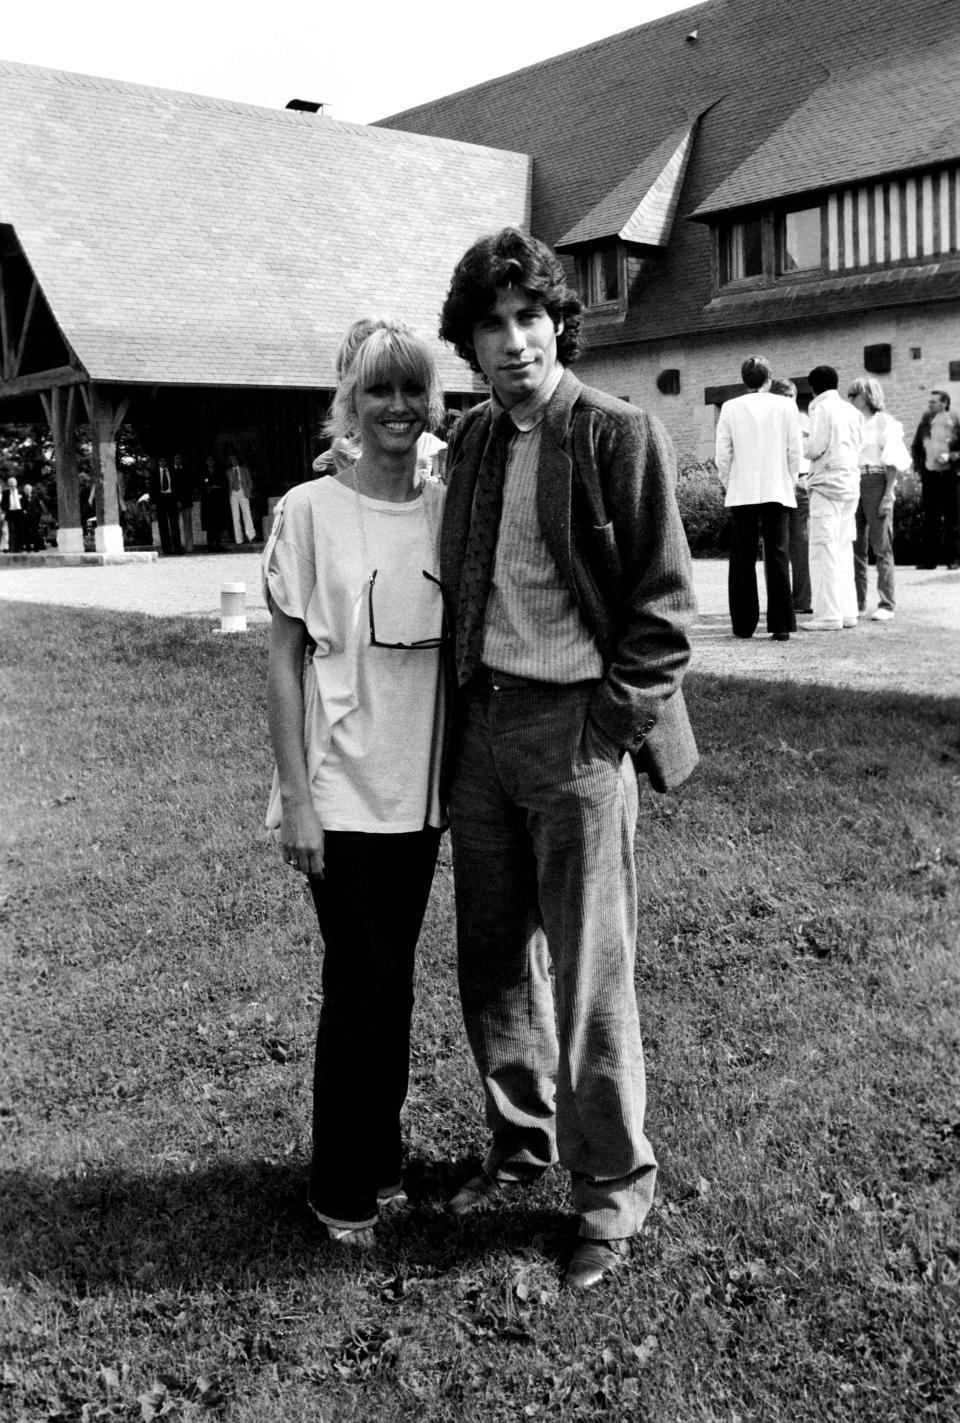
[(918, 651)]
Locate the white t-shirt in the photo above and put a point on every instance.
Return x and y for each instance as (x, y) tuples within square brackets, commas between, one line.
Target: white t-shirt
[(372, 715)]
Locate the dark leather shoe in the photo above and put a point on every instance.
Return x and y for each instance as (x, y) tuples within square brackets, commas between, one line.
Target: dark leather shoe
[(780, 636), (593, 1260), (480, 1193)]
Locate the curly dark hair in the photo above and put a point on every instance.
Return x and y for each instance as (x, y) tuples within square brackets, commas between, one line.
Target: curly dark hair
[(509, 258)]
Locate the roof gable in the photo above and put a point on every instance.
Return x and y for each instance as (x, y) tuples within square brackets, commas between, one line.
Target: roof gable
[(642, 207), (190, 240)]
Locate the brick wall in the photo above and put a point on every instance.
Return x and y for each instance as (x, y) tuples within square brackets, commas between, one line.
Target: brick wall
[(792, 350)]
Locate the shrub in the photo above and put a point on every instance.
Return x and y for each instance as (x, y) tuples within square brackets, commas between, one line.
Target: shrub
[(907, 517), (700, 498), (705, 522)]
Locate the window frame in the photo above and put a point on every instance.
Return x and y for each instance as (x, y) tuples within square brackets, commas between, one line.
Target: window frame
[(587, 267), (780, 225), (746, 279)]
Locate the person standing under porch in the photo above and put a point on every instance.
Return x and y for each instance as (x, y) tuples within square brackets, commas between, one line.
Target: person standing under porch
[(241, 487), (758, 459), (164, 496), (11, 503), (833, 449)]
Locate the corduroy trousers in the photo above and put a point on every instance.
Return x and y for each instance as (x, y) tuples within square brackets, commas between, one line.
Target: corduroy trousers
[(543, 815)]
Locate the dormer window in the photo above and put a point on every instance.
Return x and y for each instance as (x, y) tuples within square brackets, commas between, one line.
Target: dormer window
[(598, 277)]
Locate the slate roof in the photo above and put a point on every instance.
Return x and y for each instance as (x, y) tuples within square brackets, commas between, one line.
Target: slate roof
[(592, 118), (857, 126), (188, 240)]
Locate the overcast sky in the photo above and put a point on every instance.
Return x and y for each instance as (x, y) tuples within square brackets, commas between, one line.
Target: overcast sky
[(364, 59)]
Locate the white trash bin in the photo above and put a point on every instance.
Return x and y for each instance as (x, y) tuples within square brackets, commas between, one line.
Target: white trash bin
[(233, 607)]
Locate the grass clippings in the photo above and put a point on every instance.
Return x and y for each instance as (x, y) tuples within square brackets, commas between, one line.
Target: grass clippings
[(798, 982)]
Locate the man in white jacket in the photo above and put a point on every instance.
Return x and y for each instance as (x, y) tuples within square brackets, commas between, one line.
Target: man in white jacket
[(833, 449), (759, 448)]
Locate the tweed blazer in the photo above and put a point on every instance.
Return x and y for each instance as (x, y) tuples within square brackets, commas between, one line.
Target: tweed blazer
[(607, 508)]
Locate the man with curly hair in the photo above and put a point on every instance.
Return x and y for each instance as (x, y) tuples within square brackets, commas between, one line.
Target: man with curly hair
[(568, 583)]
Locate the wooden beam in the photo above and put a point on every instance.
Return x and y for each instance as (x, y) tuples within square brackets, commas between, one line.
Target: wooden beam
[(120, 413), (105, 413), (41, 380), (4, 333), (25, 328), (59, 404)]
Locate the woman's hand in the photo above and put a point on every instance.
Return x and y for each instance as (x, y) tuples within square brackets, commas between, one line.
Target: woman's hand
[(886, 504), (301, 839)]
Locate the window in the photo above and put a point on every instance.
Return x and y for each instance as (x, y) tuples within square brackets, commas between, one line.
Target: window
[(598, 277), (741, 251), (890, 223), (799, 248)]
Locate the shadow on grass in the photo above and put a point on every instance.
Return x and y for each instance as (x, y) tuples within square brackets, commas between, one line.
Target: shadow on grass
[(235, 1223)]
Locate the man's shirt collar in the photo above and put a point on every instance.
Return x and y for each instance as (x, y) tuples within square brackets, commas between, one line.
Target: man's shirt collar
[(528, 413)]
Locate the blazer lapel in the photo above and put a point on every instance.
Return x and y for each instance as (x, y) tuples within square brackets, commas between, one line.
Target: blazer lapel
[(555, 476), (458, 508)]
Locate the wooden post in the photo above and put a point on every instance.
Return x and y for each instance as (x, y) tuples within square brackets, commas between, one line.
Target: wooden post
[(60, 407), (106, 417)]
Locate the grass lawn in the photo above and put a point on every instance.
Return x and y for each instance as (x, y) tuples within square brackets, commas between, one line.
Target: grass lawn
[(799, 987)]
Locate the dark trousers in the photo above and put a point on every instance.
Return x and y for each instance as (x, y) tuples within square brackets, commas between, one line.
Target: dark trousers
[(799, 520), (15, 530), (874, 531), (940, 502), (747, 523), (370, 904), (168, 523)]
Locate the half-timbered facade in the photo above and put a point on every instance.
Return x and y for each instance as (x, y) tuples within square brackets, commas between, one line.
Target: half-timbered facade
[(747, 175)]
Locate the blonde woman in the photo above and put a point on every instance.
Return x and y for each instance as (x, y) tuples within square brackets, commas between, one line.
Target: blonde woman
[(355, 704), (882, 455)]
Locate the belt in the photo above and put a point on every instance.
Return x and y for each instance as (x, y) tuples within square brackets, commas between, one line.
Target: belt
[(873, 469), (492, 680)]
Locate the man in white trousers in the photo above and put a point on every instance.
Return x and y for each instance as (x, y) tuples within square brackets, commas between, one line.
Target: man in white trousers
[(241, 487), (832, 447)]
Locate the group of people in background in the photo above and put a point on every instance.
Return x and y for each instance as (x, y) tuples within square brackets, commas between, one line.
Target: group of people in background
[(225, 489), (818, 490), (23, 518)]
